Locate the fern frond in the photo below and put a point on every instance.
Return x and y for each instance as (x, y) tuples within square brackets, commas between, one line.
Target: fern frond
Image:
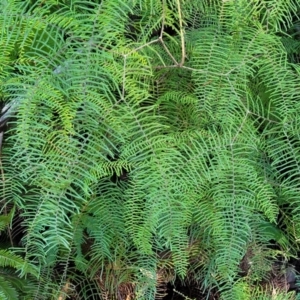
[(7, 291)]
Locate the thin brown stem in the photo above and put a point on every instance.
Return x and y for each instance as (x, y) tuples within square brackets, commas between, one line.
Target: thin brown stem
[(183, 52)]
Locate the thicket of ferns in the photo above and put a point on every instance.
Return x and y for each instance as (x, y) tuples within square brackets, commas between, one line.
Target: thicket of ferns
[(148, 141)]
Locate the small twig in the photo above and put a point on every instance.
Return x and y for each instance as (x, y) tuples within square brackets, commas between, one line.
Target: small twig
[(163, 20), (168, 51), (182, 295), (162, 33), (143, 46), (183, 53)]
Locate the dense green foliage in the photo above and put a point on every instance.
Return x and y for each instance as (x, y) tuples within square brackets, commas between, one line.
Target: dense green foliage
[(148, 141)]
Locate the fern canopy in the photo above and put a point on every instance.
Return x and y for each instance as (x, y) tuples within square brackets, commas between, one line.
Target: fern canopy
[(147, 141)]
